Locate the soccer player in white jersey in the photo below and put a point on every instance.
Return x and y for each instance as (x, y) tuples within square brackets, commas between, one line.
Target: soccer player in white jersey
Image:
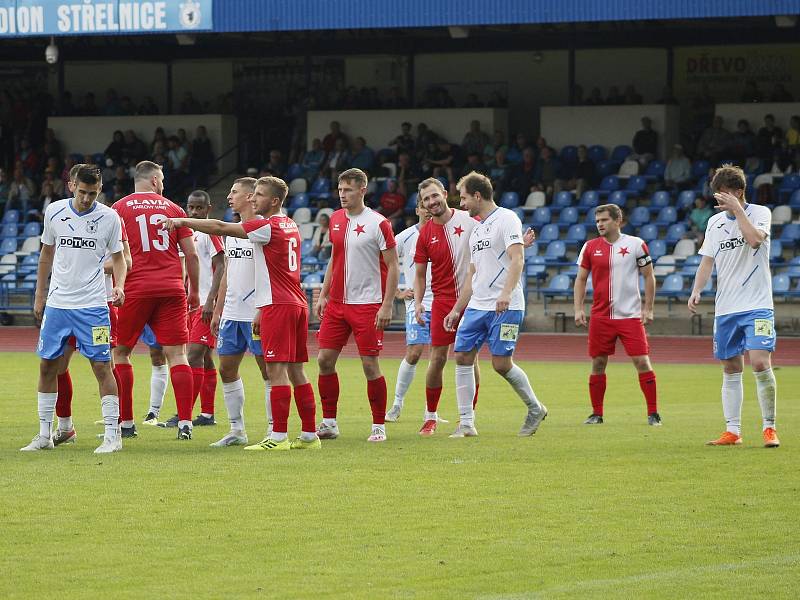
[(232, 322), (494, 302), (418, 335), (78, 233), (737, 242)]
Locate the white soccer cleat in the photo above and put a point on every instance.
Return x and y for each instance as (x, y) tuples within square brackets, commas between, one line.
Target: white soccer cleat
[(378, 434), (393, 416), (233, 438), (109, 445), (38, 443), (327, 432), (463, 431), (532, 421)]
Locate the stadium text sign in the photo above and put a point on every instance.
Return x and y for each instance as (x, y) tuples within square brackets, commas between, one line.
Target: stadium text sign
[(60, 17)]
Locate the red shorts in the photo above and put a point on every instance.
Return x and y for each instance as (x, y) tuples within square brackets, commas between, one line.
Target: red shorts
[(200, 332), (284, 333), (339, 320), (112, 315), (603, 334), (439, 310), (166, 317)]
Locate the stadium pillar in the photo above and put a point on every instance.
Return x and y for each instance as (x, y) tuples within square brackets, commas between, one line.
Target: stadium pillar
[(169, 88)]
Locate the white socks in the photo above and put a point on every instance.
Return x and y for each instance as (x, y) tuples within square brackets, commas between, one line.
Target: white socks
[(233, 394), (465, 392), (268, 404), (732, 397), (519, 381), (766, 389), (405, 376), (65, 423), (110, 408), (278, 437), (159, 378), (47, 406)]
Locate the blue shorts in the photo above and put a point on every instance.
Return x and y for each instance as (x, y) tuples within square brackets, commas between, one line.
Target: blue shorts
[(236, 337), (90, 326), (149, 338), (738, 332), (501, 331), (416, 333)]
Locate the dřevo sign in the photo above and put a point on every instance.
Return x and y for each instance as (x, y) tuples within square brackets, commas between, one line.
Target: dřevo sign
[(80, 17)]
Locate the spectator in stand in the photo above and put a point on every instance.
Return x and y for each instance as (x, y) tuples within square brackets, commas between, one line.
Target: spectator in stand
[(444, 159), (189, 105), (408, 177), (514, 154), (21, 191), (474, 163), (425, 137), (768, 139), (329, 141), (337, 161), (614, 97), (443, 99), (475, 140), (321, 240), (743, 142), (498, 168), (312, 160), (498, 142), (54, 181), (645, 144), (472, 102), (29, 158), (678, 172), (699, 217), (395, 99), (56, 148), (148, 107), (126, 106), (793, 134), (178, 160), (780, 94), (497, 100), (578, 177), (202, 157), (158, 137), (112, 107), (632, 96), (548, 170), (116, 148), (405, 141), (122, 179), (68, 164), (181, 133), (521, 178), (5, 186), (751, 93), (275, 167), (392, 204), (714, 142), (363, 156), (37, 207), (595, 98), (541, 144), (134, 151)]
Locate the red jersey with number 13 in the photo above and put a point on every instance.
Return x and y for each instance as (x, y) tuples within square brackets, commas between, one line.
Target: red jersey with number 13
[(157, 270)]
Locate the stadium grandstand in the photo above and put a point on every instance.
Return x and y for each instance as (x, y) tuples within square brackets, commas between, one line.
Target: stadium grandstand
[(562, 110)]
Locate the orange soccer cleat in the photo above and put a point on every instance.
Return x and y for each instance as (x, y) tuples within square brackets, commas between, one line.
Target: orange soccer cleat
[(428, 427), (771, 438), (727, 439)]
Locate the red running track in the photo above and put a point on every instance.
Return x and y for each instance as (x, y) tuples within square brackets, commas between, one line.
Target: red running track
[(532, 346)]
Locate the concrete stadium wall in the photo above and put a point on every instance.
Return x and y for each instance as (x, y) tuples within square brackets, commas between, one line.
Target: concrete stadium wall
[(608, 126), (379, 127), (89, 135), (754, 113), (645, 68)]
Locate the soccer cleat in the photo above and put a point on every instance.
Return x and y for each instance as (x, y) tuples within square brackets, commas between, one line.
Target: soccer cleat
[(771, 438), (64, 437), (532, 422), (378, 434), (270, 445), (393, 416), (38, 443), (129, 432), (594, 420), (428, 427), (301, 444), (654, 419), (109, 445), (185, 433), (726, 439), (463, 431), (327, 432), (171, 422), (150, 419), (203, 421), (232, 438)]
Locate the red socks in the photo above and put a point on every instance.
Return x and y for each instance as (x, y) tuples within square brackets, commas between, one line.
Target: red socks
[(475, 397), (125, 385), (306, 407), (647, 381), (376, 392), (208, 391), (597, 391), (181, 378), (328, 386), (198, 374), (432, 396), (280, 399), (64, 400)]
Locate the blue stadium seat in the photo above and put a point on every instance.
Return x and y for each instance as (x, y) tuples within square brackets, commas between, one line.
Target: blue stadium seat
[(9, 230), (299, 201), (556, 251), (536, 267), (701, 184), (531, 251), (658, 248), (562, 200), (313, 278), (568, 216), (305, 247), (589, 220), (700, 168), (790, 234), (666, 216), (639, 216), (560, 285), (659, 200), (754, 167), (589, 199), (776, 251), (690, 265), (597, 153), (636, 186), (8, 246), (509, 200), (675, 232), (654, 171), (672, 286), (569, 154), (620, 153), (794, 268), (686, 200), (781, 285), (321, 188), (520, 213), (618, 197), (295, 172), (548, 233), (607, 167), (608, 185), (648, 232), (34, 228), (541, 216), (28, 282), (227, 216), (576, 234), (788, 185), (411, 203), (12, 215), (794, 200)]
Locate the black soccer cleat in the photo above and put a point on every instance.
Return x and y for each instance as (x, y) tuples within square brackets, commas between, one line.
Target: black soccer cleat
[(171, 422), (129, 432), (654, 419), (185, 433), (594, 420), (203, 421)]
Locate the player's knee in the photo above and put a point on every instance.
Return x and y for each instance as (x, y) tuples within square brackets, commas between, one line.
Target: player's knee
[(49, 368), (760, 364), (413, 354), (502, 364), (642, 364)]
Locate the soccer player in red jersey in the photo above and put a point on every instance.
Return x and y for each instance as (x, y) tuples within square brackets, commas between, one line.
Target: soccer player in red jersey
[(615, 261), (155, 291), (282, 316), (356, 297)]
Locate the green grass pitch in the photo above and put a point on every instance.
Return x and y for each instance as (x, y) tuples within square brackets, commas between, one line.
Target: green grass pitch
[(618, 510)]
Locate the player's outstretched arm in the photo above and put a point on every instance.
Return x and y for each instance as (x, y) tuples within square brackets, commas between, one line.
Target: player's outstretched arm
[(42, 278), (649, 293), (384, 316), (120, 270), (192, 263), (700, 280), (210, 226), (579, 296)]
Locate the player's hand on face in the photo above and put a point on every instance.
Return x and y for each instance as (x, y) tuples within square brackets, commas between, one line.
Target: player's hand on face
[(647, 317), (726, 201), (319, 309), (580, 319), (208, 311), (214, 326), (694, 302), (528, 237), (117, 296), (503, 302), (383, 317)]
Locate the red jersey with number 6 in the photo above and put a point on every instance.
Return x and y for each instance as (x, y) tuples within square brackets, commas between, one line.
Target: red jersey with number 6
[(276, 255), (157, 270)]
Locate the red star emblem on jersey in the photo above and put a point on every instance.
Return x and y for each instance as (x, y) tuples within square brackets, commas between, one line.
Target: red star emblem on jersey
[(624, 251), (359, 229), (458, 230)]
